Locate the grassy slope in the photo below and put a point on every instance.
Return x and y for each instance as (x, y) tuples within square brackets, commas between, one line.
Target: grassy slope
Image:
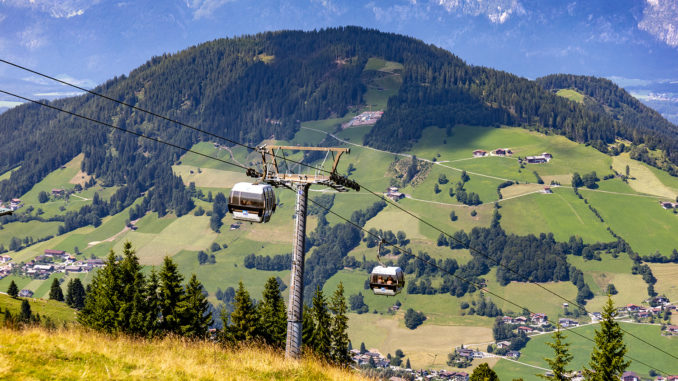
[(581, 348), (572, 95), (71, 354), (57, 311)]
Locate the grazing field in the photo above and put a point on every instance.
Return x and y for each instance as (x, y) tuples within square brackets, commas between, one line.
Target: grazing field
[(561, 213), (57, 311), (35, 229), (7, 174), (640, 220), (644, 179), (536, 350), (209, 177), (572, 95), (77, 353), (667, 279)]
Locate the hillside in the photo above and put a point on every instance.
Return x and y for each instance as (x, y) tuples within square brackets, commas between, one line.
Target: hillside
[(573, 242), (67, 354)]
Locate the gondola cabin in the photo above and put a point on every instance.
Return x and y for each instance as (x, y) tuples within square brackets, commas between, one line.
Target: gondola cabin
[(387, 281), (252, 202)]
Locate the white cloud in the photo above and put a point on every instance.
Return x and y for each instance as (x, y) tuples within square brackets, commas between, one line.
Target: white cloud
[(86, 83), (32, 37), (55, 8), (660, 19), (9, 104), (59, 94), (2, 17), (205, 8), (497, 11)]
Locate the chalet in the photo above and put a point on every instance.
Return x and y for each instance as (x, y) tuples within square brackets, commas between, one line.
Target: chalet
[(547, 190), (73, 269), (25, 293), (479, 153), (520, 320), (596, 315), (643, 314), (58, 192), (15, 204), (660, 300), (672, 378), (525, 329), (630, 376), (507, 320), (54, 253), (513, 354), (672, 329), (95, 262), (465, 352), (393, 193), (564, 322), (538, 318), (539, 159), (632, 307), (43, 267), (503, 344), (5, 258), (459, 376)]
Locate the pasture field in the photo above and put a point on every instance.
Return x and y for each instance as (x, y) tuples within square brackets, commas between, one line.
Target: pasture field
[(561, 213), (35, 229), (580, 348), (572, 95), (640, 220), (379, 64), (644, 179), (8, 174), (667, 279), (209, 177), (485, 187), (151, 223), (57, 311)]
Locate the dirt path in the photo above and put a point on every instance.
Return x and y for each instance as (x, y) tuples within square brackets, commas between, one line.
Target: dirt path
[(113, 237)]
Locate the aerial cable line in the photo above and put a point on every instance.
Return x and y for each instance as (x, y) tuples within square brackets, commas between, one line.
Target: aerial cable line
[(403, 250), (252, 172)]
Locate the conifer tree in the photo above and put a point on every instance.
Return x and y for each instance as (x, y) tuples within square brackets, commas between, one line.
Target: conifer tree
[(338, 330), (25, 316), (194, 310), (55, 292), (244, 318), (321, 342), (607, 359), (307, 327), (75, 294), (562, 357), (407, 364), (171, 294), (102, 301), (273, 317), (484, 373), (13, 290), (131, 315), (152, 298)]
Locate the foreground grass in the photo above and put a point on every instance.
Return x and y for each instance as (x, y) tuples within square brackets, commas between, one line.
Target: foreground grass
[(80, 354)]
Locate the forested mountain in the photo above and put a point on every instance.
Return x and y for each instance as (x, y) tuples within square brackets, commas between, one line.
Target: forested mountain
[(253, 87)]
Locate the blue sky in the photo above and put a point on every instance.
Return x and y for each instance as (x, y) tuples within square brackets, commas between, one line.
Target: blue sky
[(634, 43)]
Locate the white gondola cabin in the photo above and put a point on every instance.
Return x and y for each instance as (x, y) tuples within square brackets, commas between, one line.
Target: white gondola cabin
[(252, 202), (387, 281)]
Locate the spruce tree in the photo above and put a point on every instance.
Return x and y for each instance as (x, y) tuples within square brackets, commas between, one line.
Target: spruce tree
[(273, 317), (484, 373), (407, 364), (321, 342), (307, 327), (55, 292), (339, 327), (102, 302), (244, 318), (171, 294), (75, 294), (194, 311), (607, 359), (562, 357), (25, 316), (152, 297), (131, 315), (13, 290)]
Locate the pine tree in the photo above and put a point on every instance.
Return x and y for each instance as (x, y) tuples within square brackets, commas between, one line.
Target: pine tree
[(607, 359), (244, 318), (75, 294), (407, 364), (171, 294), (194, 310), (152, 298), (25, 316), (338, 330), (483, 373), (55, 292), (561, 359), (307, 327), (102, 301), (273, 317), (321, 342), (13, 290)]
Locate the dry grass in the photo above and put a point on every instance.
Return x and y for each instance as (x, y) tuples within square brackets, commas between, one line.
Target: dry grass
[(642, 179), (80, 354)]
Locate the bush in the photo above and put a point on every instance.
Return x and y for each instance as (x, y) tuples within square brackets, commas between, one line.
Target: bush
[(414, 319)]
